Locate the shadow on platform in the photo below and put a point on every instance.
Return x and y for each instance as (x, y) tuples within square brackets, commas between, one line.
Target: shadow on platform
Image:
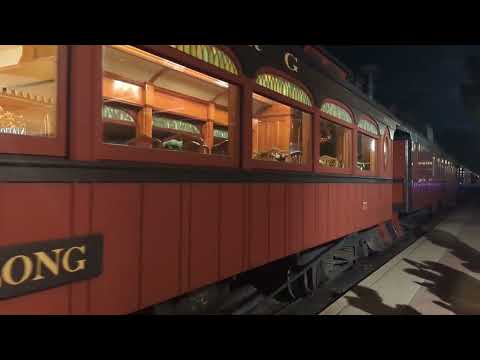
[(371, 302), (457, 291), (469, 256)]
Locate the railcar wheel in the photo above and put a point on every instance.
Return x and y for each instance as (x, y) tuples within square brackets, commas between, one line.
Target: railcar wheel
[(336, 262), (374, 242), (295, 287)]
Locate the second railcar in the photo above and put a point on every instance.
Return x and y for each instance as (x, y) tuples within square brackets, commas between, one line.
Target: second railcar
[(424, 176)]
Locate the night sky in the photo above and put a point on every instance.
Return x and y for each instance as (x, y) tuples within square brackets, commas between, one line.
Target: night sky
[(424, 84)]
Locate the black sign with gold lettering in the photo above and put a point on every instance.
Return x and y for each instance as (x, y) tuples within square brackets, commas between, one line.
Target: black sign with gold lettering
[(39, 266)]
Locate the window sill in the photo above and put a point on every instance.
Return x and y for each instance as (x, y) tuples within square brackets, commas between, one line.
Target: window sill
[(130, 153), (331, 170), (361, 173), (251, 164), (32, 145)]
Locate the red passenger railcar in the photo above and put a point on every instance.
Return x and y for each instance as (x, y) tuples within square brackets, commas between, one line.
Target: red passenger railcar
[(193, 163), (424, 177)]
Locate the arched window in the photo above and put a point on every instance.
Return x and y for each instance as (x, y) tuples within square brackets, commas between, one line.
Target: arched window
[(176, 125), (336, 111), (118, 123), (284, 87), (368, 126), (281, 131), (335, 137), (367, 144), (118, 114), (209, 54)]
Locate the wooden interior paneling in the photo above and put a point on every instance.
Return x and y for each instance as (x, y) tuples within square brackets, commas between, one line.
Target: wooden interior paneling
[(178, 105)]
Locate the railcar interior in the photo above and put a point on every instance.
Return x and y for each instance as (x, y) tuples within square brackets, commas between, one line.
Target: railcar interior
[(29, 87)]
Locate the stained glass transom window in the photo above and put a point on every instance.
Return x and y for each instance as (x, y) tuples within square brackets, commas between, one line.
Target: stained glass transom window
[(368, 126), (112, 113), (209, 54), (284, 87), (173, 124), (336, 111), (222, 134)]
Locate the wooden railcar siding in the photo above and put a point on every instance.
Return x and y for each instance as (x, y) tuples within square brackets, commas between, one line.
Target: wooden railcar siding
[(277, 221), (29, 212), (82, 224), (232, 229), (258, 225), (116, 213), (310, 217), (163, 240), (204, 235), (162, 233), (295, 200)]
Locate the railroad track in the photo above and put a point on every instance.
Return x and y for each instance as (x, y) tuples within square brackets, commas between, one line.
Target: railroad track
[(310, 288), (315, 302)]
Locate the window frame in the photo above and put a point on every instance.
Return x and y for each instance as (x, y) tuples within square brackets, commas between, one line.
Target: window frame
[(105, 151), (351, 126), (373, 172), (247, 104), (40, 145)]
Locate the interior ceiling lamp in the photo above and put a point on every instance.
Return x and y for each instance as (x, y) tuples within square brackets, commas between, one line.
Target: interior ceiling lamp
[(10, 55), (13, 55)]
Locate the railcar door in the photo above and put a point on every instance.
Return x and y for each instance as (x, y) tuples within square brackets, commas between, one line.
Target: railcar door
[(402, 172)]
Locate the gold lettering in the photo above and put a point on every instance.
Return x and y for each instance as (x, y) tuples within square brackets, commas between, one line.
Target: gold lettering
[(44, 259), (288, 61), (66, 259), (7, 270)]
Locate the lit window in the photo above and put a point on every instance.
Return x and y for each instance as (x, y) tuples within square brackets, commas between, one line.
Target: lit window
[(366, 152), (367, 126), (28, 90), (284, 87), (209, 54), (336, 111), (335, 145), (173, 107), (280, 133)]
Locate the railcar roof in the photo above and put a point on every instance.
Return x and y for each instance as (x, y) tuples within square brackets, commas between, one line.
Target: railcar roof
[(402, 125)]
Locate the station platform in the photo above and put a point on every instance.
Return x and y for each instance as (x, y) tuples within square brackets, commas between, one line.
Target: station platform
[(439, 274)]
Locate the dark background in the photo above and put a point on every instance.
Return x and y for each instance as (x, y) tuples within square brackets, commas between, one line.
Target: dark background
[(425, 85)]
